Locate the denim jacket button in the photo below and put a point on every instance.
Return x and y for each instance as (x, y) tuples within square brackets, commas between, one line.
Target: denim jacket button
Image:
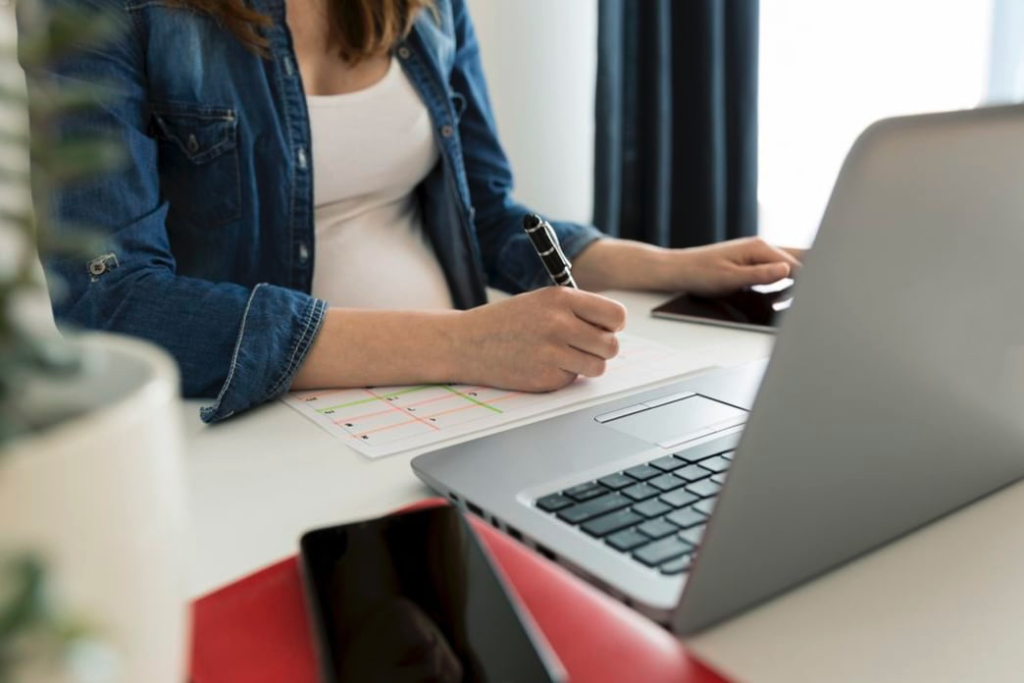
[(193, 144), (303, 253), (447, 132), (403, 52)]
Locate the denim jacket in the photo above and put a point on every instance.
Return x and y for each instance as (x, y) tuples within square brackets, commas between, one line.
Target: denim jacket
[(210, 225)]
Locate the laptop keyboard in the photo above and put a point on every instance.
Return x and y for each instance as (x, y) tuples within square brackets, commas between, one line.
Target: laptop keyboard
[(655, 513)]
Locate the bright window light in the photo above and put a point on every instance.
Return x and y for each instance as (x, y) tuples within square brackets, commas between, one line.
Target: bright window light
[(829, 69)]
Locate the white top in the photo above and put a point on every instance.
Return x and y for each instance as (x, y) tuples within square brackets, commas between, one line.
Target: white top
[(371, 148)]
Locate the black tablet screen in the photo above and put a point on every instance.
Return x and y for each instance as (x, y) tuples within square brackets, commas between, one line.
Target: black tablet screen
[(412, 597)]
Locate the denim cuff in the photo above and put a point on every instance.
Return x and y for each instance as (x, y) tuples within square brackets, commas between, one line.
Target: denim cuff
[(278, 328)]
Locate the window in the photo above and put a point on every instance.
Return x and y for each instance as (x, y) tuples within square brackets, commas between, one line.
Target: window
[(829, 69)]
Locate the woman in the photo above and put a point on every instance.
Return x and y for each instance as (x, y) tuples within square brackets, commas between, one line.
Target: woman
[(316, 196)]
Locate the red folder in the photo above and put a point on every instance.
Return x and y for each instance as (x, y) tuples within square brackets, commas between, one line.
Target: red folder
[(256, 631)]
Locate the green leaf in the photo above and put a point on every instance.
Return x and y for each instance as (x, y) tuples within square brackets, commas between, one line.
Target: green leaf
[(14, 138), (12, 95), (60, 33), (79, 159), (82, 242), (22, 219), (13, 175), (26, 605), (48, 101)]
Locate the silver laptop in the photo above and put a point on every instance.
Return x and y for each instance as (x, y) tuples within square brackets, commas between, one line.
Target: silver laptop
[(894, 396)]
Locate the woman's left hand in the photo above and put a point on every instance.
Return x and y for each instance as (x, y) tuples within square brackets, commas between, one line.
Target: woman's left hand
[(729, 266), (708, 271)]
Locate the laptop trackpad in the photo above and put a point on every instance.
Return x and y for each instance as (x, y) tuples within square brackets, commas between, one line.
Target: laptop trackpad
[(675, 423)]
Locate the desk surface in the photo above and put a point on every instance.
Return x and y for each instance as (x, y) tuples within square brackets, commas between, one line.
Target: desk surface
[(941, 604)]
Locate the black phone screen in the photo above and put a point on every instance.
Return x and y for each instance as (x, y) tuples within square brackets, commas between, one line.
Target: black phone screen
[(413, 597)]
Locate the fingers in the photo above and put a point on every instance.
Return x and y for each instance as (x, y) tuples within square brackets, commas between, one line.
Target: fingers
[(763, 253), (764, 274), (595, 341), (546, 379), (597, 310), (584, 364), (798, 254)]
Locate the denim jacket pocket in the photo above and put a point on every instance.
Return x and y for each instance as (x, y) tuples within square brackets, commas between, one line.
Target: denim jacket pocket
[(198, 162)]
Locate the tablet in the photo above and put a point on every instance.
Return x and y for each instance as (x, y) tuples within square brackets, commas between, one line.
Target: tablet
[(758, 308), (415, 597)]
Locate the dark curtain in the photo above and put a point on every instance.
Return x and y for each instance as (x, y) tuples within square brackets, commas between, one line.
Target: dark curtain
[(676, 143)]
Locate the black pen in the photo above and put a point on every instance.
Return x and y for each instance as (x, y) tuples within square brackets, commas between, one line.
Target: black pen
[(545, 241)]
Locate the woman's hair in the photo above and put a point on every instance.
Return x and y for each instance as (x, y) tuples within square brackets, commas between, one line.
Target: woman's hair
[(359, 28)]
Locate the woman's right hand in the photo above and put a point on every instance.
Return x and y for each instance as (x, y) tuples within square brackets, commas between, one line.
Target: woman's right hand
[(539, 341)]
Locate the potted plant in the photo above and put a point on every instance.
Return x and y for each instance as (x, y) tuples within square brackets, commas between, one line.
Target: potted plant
[(92, 545)]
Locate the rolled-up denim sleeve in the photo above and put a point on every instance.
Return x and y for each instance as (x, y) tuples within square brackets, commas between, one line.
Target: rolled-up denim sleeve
[(240, 345), (508, 257), (275, 334)]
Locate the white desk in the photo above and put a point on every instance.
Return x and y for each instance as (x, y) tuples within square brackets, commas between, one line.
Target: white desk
[(943, 604)]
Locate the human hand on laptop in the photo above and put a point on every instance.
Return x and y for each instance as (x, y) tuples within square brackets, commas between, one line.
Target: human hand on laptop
[(539, 341)]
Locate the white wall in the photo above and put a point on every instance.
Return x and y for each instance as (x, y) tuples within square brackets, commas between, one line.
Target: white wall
[(540, 57)]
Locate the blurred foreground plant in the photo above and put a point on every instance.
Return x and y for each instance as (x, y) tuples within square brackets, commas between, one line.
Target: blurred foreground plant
[(50, 32), (36, 638)]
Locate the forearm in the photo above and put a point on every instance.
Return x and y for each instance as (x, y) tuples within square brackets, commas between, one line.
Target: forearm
[(710, 270), (358, 348), (622, 264)]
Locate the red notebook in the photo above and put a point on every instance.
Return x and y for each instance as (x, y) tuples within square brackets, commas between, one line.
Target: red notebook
[(255, 630)]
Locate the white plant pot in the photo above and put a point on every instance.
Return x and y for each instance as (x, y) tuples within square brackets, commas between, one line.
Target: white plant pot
[(100, 498)]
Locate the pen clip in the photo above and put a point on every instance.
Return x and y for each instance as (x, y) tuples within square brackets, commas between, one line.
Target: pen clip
[(555, 244)]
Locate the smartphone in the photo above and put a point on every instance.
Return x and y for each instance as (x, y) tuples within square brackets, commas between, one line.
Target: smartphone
[(757, 308), (414, 597)]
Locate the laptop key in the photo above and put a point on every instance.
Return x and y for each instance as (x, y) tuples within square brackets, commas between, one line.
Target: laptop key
[(686, 518), (652, 508), (590, 489), (705, 488), (554, 502), (693, 535), (716, 464), (693, 473), (679, 498), (666, 482), (657, 528), (705, 506), (602, 526), (616, 481), (719, 478), (640, 491), (667, 464), (642, 472), (582, 512), (677, 566), (661, 551), (728, 455), (690, 456), (627, 540)]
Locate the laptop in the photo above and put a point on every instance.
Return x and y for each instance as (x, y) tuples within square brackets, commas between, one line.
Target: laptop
[(894, 395)]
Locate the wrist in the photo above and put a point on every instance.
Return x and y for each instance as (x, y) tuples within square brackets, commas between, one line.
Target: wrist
[(667, 269), (624, 264), (448, 342)]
